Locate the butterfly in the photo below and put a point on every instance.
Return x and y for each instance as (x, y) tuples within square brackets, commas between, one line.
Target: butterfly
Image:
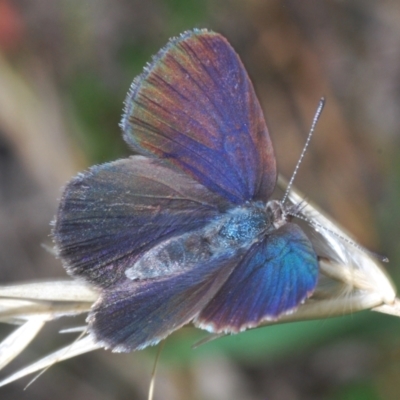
[(185, 231)]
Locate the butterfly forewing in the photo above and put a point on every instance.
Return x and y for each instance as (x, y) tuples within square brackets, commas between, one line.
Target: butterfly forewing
[(195, 106), (115, 212)]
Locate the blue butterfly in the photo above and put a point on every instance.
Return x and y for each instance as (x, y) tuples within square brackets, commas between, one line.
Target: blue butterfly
[(185, 231)]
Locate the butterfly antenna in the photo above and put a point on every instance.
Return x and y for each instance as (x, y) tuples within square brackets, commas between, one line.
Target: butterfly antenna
[(312, 129), (345, 239)]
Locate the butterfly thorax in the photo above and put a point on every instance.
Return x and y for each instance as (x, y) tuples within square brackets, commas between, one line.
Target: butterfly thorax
[(239, 227)]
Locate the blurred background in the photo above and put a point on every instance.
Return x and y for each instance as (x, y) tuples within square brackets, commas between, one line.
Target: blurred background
[(65, 67)]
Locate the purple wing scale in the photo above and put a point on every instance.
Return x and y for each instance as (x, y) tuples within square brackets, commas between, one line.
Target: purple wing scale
[(272, 279), (195, 107), (115, 212), (139, 314)]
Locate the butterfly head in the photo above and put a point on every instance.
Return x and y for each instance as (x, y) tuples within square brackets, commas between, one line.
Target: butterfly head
[(277, 213)]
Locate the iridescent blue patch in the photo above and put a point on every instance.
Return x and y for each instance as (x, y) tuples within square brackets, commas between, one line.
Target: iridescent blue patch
[(186, 232)]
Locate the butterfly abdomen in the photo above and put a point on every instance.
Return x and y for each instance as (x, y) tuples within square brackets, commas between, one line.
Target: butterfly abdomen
[(238, 228)]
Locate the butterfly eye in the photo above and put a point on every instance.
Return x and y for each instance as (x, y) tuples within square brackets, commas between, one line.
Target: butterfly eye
[(276, 213)]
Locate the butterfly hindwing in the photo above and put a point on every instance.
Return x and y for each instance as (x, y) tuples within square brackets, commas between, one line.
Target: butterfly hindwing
[(195, 106), (138, 314), (115, 212), (272, 279)]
